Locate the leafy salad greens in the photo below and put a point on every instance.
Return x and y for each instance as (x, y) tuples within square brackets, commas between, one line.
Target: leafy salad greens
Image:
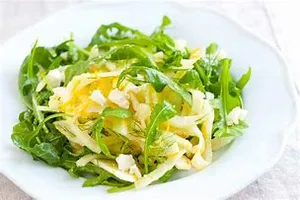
[(130, 109)]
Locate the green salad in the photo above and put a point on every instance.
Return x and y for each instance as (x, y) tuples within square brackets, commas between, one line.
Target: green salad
[(129, 109)]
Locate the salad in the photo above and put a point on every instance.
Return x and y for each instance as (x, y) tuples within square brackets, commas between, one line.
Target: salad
[(130, 109)]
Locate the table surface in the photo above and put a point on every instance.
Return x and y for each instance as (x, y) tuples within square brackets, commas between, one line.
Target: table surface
[(276, 21)]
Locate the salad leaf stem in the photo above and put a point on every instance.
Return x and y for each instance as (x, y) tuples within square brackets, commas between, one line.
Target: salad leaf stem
[(120, 189), (161, 112), (97, 129), (31, 61), (244, 79), (224, 92)]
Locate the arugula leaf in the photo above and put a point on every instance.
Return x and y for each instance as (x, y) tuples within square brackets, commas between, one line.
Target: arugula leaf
[(115, 35), (22, 134), (157, 79), (91, 182), (238, 129), (76, 69), (127, 52), (73, 53), (166, 21), (244, 79), (167, 176), (209, 69), (117, 112), (97, 129), (120, 53), (56, 62), (97, 132), (94, 174), (27, 116), (56, 138), (120, 189), (161, 113), (115, 183), (47, 152), (27, 80), (114, 32), (211, 49), (234, 131), (42, 97), (40, 59), (30, 65), (63, 47), (227, 101), (163, 41), (38, 114), (224, 93), (192, 79), (202, 72), (43, 58), (142, 42), (24, 131)]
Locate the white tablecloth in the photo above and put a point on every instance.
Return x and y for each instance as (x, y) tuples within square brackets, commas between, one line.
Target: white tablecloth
[(277, 21)]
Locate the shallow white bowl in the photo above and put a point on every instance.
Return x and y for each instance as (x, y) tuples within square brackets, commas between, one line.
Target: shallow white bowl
[(269, 97)]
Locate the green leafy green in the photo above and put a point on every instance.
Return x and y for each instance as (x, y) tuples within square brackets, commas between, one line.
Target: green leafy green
[(238, 129), (166, 21), (47, 152), (167, 176), (157, 79), (229, 99), (192, 80), (97, 132), (163, 41), (120, 53), (166, 44), (94, 175), (114, 32), (42, 98), (38, 114), (211, 49), (27, 80), (97, 180), (40, 61), (128, 52), (97, 129), (161, 113), (70, 52), (117, 112), (115, 183), (43, 58), (120, 189), (225, 93), (56, 62), (244, 79), (24, 132), (76, 69)]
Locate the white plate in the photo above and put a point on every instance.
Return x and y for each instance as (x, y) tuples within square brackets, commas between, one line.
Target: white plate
[(269, 97)]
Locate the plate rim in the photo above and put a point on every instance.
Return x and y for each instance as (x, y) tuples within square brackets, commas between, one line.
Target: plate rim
[(288, 80)]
